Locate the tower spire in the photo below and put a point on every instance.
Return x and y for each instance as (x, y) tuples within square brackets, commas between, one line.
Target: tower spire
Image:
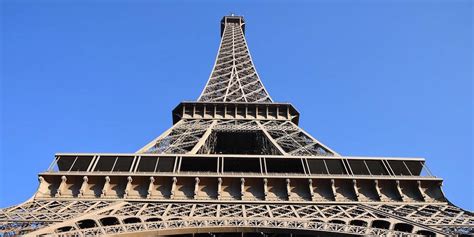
[(234, 77), (235, 162)]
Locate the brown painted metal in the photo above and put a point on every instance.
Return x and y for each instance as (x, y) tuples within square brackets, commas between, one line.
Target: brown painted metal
[(187, 181)]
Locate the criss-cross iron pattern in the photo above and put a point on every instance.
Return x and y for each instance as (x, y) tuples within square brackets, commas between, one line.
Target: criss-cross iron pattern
[(294, 140), (350, 219), (234, 78), (182, 138), (234, 101), (288, 137)]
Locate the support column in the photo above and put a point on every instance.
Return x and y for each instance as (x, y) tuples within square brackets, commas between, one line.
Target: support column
[(128, 187), (196, 188), (61, 187), (399, 190), (423, 195), (151, 186), (43, 187), (106, 187), (270, 138), (288, 188), (203, 139), (356, 191), (173, 187), (84, 186), (333, 189), (377, 189), (311, 190), (242, 188), (265, 188), (219, 188)]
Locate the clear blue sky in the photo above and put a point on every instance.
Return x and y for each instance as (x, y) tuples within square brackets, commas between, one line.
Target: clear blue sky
[(370, 78)]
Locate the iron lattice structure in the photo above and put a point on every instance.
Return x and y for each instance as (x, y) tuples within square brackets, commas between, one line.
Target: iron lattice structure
[(235, 161)]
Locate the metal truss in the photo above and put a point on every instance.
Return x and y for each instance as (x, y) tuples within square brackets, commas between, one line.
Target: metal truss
[(50, 210), (189, 180), (294, 140), (66, 218), (37, 214), (234, 78), (181, 138), (191, 135), (432, 215)]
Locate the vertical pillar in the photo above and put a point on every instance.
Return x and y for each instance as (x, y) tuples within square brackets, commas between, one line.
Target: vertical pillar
[(377, 189), (242, 188), (84, 186), (356, 191), (62, 186), (399, 190), (219, 188), (265, 188), (151, 186), (418, 185), (311, 190), (333, 189), (288, 188), (43, 186), (173, 187), (106, 187), (128, 187), (196, 188)]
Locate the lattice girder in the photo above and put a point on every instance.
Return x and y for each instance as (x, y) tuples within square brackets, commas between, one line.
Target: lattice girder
[(235, 161), (286, 136), (234, 78), (134, 217)]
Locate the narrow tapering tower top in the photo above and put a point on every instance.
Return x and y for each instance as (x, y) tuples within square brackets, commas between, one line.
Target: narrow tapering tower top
[(234, 78), (232, 19)]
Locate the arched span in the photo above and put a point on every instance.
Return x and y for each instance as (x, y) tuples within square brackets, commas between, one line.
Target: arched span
[(217, 225)]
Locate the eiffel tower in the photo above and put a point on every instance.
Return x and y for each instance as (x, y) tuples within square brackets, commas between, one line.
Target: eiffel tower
[(235, 163)]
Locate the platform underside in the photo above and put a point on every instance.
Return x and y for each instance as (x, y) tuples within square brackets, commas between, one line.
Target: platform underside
[(100, 217)]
